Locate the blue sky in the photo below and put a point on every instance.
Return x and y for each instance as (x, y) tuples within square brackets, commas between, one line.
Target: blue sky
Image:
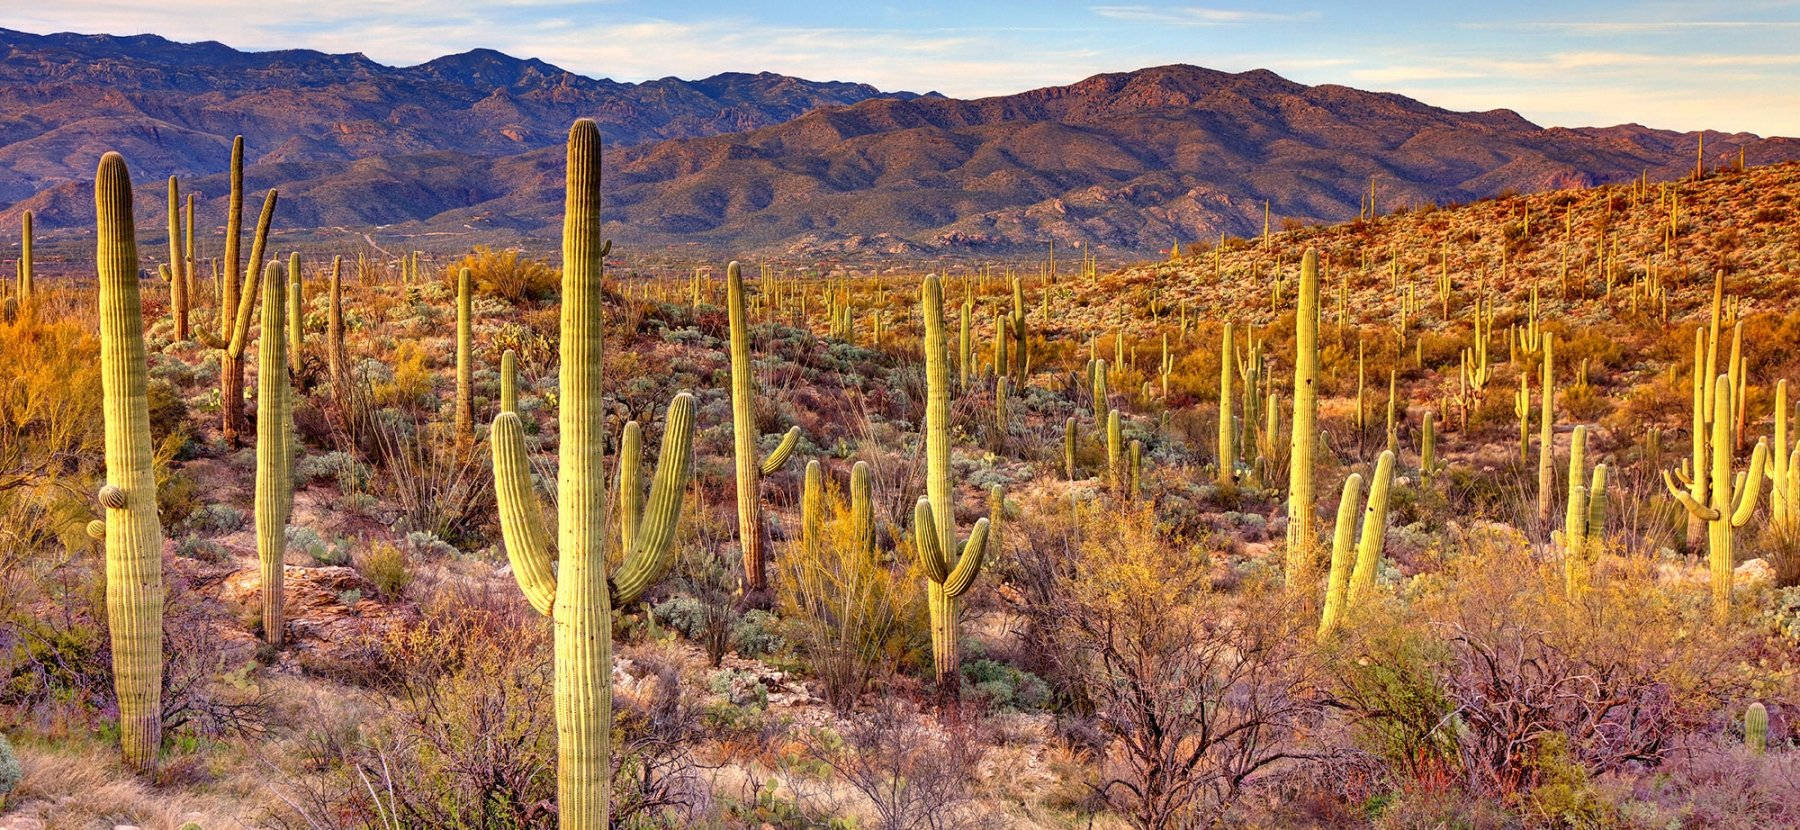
[(1731, 66)]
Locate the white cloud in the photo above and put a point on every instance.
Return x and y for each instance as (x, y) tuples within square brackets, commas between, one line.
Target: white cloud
[(1196, 15)]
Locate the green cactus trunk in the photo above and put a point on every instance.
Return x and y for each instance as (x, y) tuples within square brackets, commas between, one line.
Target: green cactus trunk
[(950, 569), (1305, 430), (296, 314), (1069, 448), (1546, 418), (178, 282), (509, 381), (743, 432), (27, 280), (1374, 532), (274, 452), (133, 535), (336, 363), (862, 510), (812, 507), (1227, 474), (465, 369), (577, 594)]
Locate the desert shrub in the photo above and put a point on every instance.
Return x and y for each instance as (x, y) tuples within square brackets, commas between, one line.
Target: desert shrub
[(10, 771), (1006, 687), (1709, 783), (388, 568), (848, 613), (1200, 692), (912, 774), (337, 466), (218, 518), (508, 274), (439, 485)]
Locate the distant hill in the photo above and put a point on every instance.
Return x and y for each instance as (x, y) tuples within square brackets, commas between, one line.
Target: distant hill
[(465, 149)]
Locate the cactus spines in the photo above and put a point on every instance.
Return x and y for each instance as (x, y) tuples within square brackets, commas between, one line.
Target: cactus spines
[(178, 297), (465, 369), (1305, 429), (743, 430), (1227, 475), (1756, 728), (949, 568), (1732, 502), (274, 452), (1374, 531), (578, 594), (509, 381), (133, 535)]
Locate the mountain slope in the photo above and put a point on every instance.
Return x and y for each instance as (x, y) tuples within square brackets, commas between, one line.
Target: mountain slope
[(63, 95), (464, 149)]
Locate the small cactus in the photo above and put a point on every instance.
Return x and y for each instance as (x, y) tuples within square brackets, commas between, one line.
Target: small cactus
[(1756, 728)]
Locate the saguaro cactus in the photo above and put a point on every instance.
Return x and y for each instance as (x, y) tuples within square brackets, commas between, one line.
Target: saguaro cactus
[(743, 433), (274, 450), (509, 381), (1733, 502), (1069, 448), (1227, 475), (296, 316), (862, 510), (334, 335), (812, 506), (1756, 728), (1305, 429), (465, 370), (1546, 419), (1585, 517), (1345, 584), (27, 281), (577, 594), (950, 569), (178, 276), (134, 590)]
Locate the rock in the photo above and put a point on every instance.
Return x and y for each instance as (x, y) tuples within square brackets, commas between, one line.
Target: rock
[(332, 613)]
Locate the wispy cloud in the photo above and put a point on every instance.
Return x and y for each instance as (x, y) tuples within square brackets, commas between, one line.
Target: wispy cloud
[(1196, 15)]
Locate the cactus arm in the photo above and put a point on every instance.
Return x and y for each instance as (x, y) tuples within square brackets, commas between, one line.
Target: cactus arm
[(248, 295), (968, 565), (925, 538), (631, 483), (1374, 530), (1343, 531), (509, 381), (1750, 489), (1596, 497), (1694, 508), (779, 455), (652, 549), (521, 522)]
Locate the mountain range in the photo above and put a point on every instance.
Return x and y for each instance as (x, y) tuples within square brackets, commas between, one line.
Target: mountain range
[(466, 149)]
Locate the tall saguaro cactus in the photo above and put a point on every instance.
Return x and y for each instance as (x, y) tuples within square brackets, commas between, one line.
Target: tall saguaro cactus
[(1227, 433), (1305, 430), (1733, 500), (743, 432), (465, 371), (134, 589), (950, 569), (578, 594), (178, 277), (295, 289), (335, 362), (27, 281), (274, 449)]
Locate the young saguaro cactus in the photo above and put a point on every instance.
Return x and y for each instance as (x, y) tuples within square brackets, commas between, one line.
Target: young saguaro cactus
[(1756, 728), (1305, 429), (578, 593), (950, 569), (1733, 501), (862, 509), (133, 535), (743, 433), (274, 449), (1585, 517)]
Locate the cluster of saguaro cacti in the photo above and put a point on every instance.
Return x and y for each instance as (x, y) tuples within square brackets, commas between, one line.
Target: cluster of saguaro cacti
[(1305, 430), (750, 469), (1347, 583), (132, 533), (274, 449), (1732, 500), (578, 593), (950, 568)]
